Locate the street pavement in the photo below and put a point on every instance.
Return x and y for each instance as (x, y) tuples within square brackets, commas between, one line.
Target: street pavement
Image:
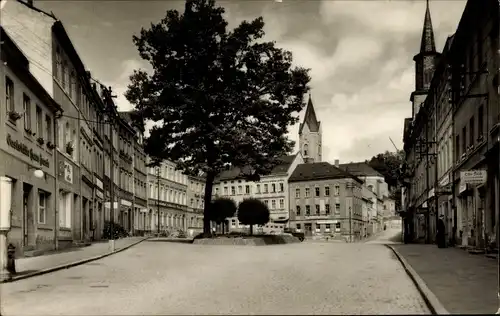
[(168, 278), (462, 282), (28, 265)]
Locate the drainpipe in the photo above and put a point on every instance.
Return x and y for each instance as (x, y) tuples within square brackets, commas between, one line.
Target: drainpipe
[(56, 181)]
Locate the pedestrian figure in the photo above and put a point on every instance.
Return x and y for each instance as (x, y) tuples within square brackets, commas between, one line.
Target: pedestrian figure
[(441, 234)]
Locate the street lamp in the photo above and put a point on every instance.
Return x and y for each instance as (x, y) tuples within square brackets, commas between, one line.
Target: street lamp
[(5, 214)]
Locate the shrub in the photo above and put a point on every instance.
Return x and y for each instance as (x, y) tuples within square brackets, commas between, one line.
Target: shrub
[(253, 212), (221, 209), (113, 231)]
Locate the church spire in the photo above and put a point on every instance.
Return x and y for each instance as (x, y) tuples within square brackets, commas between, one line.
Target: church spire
[(310, 118), (427, 45)]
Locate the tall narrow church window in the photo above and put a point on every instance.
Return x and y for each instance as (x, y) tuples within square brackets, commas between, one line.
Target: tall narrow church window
[(306, 147)]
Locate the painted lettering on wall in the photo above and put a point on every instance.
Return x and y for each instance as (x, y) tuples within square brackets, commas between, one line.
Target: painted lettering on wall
[(22, 148)]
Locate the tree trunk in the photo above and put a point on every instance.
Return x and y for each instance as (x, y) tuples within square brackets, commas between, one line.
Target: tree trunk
[(251, 230), (208, 200)]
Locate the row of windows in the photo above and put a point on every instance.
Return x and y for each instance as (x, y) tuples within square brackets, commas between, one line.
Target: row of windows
[(43, 123), (167, 194), (317, 191), (471, 134), (169, 173), (328, 227), (317, 209)]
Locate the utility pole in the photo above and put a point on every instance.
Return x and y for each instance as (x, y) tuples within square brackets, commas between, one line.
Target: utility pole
[(111, 167), (158, 198)]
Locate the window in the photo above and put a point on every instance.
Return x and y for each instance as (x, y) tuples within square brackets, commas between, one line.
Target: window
[(225, 190), (308, 193), (240, 189), (298, 226), (317, 209), (282, 203), (464, 139), (308, 210), (48, 128), (273, 204), (297, 193), (472, 141), (337, 209), (266, 202), (265, 188), (258, 188), (9, 95), (71, 86), (27, 112), (233, 190), (247, 189), (282, 187), (306, 147), (327, 209), (39, 124), (457, 147), (216, 191), (316, 191), (42, 207), (337, 189), (64, 72), (318, 227), (328, 227), (337, 226), (327, 191), (297, 210), (480, 121)]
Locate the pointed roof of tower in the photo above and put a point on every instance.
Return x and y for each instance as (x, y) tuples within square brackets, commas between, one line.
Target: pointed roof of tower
[(427, 45), (310, 118)]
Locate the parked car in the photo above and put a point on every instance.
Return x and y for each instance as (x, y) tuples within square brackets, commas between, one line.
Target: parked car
[(295, 232)]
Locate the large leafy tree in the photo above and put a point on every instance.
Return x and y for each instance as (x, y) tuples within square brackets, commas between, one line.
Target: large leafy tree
[(253, 212), (388, 164), (220, 97)]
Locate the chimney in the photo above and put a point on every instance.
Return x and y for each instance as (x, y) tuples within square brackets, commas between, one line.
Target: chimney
[(336, 163)]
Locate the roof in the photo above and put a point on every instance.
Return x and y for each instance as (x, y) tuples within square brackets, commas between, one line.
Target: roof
[(319, 171), (428, 44), (310, 118), (236, 172), (360, 169), (19, 64)]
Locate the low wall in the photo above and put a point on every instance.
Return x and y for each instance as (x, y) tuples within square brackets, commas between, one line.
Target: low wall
[(248, 241)]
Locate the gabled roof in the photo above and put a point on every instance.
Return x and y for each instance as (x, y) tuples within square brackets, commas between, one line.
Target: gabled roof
[(319, 171), (236, 172), (360, 169), (310, 118)]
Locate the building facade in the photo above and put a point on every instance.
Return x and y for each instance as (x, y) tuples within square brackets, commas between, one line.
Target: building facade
[(26, 149), (167, 202), (196, 204), (451, 147), (326, 201), (272, 189)]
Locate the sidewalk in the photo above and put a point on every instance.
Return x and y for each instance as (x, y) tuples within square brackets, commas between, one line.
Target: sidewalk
[(463, 283), (31, 266)]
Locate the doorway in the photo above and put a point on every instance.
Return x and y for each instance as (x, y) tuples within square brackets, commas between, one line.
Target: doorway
[(27, 218)]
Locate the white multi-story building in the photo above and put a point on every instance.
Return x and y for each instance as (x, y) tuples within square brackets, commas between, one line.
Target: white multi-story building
[(272, 189), (167, 200)]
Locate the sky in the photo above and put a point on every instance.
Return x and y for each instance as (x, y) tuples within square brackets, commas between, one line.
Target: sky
[(360, 54)]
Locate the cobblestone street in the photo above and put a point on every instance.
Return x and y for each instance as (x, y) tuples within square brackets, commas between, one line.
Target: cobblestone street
[(463, 283), (169, 278)]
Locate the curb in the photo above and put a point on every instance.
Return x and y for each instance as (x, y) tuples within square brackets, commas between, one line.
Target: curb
[(69, 265), (430, 299)]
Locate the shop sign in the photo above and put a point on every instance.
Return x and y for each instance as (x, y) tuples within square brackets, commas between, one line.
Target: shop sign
[(462, 188), (473, 177), (22, 148)]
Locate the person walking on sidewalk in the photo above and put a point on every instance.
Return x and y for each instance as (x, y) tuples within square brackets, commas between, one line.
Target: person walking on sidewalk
[(441, 232)]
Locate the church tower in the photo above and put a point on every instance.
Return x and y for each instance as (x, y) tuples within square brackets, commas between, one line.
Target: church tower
[(425, 63), (310, 135)]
